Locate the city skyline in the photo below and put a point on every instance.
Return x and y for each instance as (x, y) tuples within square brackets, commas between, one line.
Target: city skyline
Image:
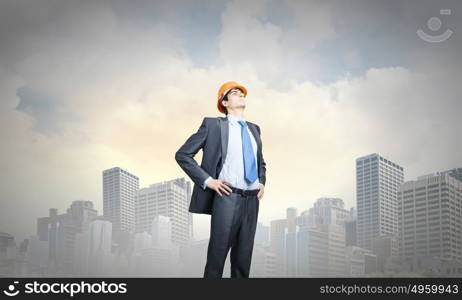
[(201, 236), (316, 242)]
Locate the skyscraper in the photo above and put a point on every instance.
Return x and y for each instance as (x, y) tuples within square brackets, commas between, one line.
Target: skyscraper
[(329, 211), (430, 218), (312, 249), (59, 230), (161, 231), (170, 199), (377, 182), (119, 190), (278, 230), (262, 234), (350, 228), (93, 249), (323, 223)]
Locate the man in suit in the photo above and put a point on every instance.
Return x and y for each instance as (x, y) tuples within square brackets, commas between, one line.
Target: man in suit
[(229, 183)]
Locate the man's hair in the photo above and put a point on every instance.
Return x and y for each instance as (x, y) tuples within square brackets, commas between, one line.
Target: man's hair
[(225, 98)]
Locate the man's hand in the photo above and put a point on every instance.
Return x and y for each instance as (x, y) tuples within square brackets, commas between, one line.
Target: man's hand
[(260, 194), (219, 186)]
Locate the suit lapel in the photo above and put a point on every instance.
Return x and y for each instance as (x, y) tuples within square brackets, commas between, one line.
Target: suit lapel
[(254, 131), (224, 138)]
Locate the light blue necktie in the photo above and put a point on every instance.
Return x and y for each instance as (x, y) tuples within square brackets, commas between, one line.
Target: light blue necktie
[(250, 167)]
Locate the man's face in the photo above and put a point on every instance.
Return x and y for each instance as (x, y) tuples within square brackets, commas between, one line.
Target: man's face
[(236, 99)]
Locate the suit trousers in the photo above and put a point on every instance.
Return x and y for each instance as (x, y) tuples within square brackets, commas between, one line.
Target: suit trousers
[(233, 225)]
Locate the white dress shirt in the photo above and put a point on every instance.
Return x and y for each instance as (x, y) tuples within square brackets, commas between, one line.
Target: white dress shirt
[(233, 167)]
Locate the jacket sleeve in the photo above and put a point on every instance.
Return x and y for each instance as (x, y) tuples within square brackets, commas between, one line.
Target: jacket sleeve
[(185, 155), (263, 164)]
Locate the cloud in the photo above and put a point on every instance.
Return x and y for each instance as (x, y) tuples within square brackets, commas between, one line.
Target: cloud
[(249, 37), (43, 108)]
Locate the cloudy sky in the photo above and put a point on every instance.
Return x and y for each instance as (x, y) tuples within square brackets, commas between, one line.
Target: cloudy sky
[(89, 85)]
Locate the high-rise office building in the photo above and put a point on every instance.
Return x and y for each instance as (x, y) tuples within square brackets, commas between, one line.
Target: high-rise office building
[(321, 250), (350, 228), (278, 230), (291, 253), (290, 259), (7, 265), (161, 231), (263, 262), (291, 217), (329, 211), (335, 248), (385, 248), (119, 190), (377, 183), (355, 262), (170, 199), (193, 257), (312, 252), (262, 234), (142, 240), (93, 255), (430, 218), (60, 233)]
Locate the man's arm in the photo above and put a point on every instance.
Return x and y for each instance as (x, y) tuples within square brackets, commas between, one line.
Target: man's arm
[(263, 164), (185, 155)]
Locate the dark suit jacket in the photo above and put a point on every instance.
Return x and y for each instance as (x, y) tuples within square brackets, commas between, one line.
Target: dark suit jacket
[(212, 138)]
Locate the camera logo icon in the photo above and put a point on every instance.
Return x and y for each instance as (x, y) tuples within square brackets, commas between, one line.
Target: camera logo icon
[(434, 24), (11, 290)]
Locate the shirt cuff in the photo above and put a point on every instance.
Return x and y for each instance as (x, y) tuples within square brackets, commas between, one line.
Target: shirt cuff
[(204, 185)]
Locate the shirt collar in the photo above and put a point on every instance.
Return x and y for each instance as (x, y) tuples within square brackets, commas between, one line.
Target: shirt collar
[(233, 119)]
